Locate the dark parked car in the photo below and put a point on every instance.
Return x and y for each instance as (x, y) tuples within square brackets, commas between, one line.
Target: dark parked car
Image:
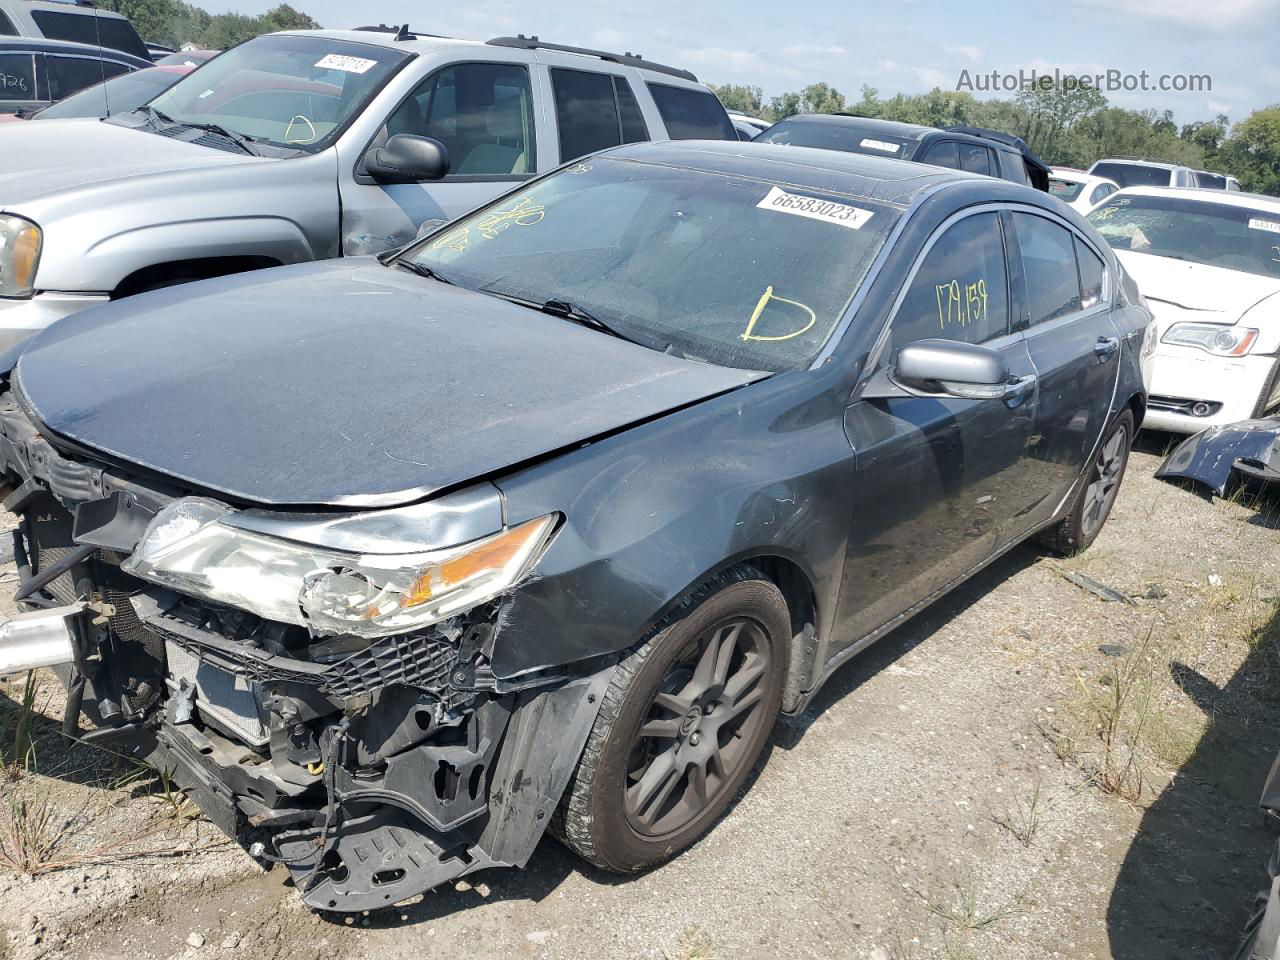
[(35, 72), (541, 521), (118, 95), (973, 149)]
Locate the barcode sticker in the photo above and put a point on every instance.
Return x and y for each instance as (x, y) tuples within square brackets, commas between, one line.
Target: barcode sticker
[(828, 211), (335, 61), (1271, 226), (884, 145)]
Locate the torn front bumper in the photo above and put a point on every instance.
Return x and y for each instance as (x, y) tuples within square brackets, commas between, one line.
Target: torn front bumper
[(374, 771), (1251, 447)]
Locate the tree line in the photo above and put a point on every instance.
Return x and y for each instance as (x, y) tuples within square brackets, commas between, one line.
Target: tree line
[(1067, 125), (173, 23)]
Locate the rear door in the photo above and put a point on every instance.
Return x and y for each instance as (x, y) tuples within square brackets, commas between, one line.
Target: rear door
[(1064, 306), (940, 479), (486, 113)]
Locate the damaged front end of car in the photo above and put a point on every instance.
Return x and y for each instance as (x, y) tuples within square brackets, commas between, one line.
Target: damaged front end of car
[(320, 684)]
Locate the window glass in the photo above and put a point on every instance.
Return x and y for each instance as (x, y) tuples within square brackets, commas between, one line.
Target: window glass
[(296, 92), (717, 268), (68, 75), (942, 154), (836, 133), (586, 112), (6, 26), (120, 94), (481, 112), (1092, 271), (692, 114), (1101, 192), (1049, 266), (633, 126), (1132, 174), (18, 76), (1065, 190), (974, 158), (1199, 231), (960, 291), (1211, 181), (111, 32)]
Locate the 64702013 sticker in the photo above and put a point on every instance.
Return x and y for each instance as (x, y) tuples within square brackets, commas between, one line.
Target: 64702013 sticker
[(815, 208)]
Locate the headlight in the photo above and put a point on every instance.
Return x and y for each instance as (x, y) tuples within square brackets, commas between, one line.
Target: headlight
[(1214, 338), (370, 595), (19, 256)]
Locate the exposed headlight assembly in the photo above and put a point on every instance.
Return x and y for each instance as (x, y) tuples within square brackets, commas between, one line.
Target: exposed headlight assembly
[(187, 548), (20, 242), (1215, 338)]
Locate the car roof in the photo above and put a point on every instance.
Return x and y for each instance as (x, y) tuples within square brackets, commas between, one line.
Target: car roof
[(858, 175), (1234, 198), (63, 6)]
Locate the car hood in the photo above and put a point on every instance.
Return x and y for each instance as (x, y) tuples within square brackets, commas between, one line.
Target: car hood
[(1176, 288), (54, 155), (344, 383)]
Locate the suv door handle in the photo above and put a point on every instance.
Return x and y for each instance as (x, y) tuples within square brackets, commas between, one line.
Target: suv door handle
[(1017, 391), (1106, 347)]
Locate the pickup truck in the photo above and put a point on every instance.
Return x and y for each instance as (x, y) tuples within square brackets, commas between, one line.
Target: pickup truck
[(308, 145)]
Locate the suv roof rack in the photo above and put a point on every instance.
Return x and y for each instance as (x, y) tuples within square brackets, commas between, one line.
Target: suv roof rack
[(521, 42), (402, 32)]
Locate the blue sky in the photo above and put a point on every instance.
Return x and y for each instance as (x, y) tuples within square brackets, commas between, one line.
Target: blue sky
[(909, 46)]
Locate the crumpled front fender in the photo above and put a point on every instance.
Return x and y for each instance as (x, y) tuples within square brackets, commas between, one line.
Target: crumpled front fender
[(1209, 457)]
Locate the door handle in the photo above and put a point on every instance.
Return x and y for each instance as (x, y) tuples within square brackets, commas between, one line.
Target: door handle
[(1106, 347), (1016, 392)]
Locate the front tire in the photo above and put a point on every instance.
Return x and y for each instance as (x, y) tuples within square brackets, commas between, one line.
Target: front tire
[(680, 728), (1092, 503)]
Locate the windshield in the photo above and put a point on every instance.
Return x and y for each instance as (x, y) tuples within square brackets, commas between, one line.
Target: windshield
[(117, 95), (827, 135), (1217, 234), (1210, 181), (1133, 174), (291, 91), (725, 269), (1066, 190)]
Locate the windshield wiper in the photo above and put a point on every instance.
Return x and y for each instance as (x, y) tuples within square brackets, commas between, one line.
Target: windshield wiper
[(569, 311), (239, 139), (154, 115), (422, 270)]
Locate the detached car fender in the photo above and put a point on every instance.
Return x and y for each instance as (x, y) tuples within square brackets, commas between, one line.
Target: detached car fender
[(1250, 446)]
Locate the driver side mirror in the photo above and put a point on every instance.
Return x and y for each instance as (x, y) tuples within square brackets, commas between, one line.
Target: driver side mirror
[(406, 158), (955, 368)]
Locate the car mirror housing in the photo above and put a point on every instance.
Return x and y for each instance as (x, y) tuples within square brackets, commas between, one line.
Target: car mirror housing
[(949, 366), (405, 158)]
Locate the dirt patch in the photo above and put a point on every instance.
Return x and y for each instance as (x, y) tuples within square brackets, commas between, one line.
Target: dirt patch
[(1024, 771)]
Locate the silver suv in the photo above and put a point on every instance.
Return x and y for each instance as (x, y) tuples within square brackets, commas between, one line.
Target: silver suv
[(307, 145), (76, 21)]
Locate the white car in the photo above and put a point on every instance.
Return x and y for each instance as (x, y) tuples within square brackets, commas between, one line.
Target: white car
[(1079, 189), (1208, 264), (1144, 172), (747, 126)]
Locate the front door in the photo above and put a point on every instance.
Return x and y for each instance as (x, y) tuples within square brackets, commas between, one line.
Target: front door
[(939, 479), (483, 113)]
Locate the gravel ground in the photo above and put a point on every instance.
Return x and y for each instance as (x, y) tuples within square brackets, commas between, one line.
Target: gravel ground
[(950, 795)]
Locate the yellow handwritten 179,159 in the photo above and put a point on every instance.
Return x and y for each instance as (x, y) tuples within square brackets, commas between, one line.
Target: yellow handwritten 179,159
[(961, 304)]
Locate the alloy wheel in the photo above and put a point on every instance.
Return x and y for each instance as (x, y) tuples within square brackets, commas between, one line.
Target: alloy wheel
[(1104, 481)]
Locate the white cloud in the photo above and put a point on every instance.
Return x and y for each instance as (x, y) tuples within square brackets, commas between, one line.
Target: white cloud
[(1222, 14), (972, 54)]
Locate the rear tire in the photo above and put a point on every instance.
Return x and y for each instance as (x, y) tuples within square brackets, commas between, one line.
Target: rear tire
[(1092, 503), (680, 728)]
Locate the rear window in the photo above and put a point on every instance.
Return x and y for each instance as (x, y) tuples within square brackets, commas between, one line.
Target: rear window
[(1212, 181), (68, 75), (1133, 174), (110, 32), (594, 111), (1064, 190), (6, 26), (17, 76), (692, 114)]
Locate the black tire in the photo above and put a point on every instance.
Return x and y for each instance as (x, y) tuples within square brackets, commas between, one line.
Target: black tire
[(597, 818), (1076, 531), (1263, 405)]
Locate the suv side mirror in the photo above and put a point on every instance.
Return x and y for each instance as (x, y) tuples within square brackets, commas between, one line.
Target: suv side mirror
[(405, 158), (948, 366)]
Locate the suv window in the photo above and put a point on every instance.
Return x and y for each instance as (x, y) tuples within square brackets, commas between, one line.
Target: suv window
[(18, 76), (1092, 271), (1132, 174), (481, 112), (110, 32), (942, 153), (975, 159), (960, 291), (692, 114), (1049, 266), (594, 111), (7, 29)]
